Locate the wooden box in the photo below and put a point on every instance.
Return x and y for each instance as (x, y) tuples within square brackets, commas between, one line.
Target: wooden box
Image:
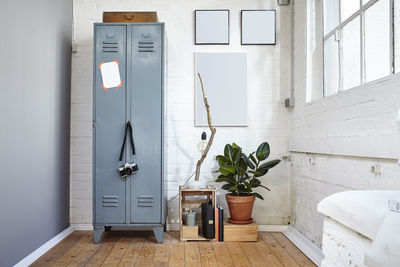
[(240, 232), (126, 17), (190, 231), (192, 199)]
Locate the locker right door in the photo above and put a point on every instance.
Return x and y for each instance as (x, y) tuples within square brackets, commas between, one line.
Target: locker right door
[(110, 119), (146, 118)]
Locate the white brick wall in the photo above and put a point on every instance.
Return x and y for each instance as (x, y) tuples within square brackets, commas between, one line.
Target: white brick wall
[(315, 176), (342, 246), (268, 85), (336, 140)]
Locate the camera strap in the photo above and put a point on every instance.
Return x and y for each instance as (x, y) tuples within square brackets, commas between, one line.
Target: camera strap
[(128, 128)]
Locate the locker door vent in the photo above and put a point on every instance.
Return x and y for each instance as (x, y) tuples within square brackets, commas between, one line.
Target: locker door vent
[(110, 201), (110, 46), (146, 46), (145, 201)]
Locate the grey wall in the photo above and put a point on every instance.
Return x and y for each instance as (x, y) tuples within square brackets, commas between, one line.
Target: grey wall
[(35, 55)]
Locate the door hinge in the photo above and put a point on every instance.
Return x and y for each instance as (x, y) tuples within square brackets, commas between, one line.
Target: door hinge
[(94, 124)]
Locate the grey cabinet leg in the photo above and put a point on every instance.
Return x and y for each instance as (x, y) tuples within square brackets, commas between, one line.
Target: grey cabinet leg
[(159, 233), (97, 235)]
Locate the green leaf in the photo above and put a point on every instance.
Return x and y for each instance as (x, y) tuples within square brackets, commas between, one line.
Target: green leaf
[(228, 152), (238, 156), (242, 167), (257, 195), (226, 170), (248, 162), (233, 188), (235, 146), (261, 172), (241, 188), (223, 178), (265, 187), (263, 151), (268, 165), (222, 160), (255, 182), (226, 186), (242, 179), (256, 173), (253, 158)]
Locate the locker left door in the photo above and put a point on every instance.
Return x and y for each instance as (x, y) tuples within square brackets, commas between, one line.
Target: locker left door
[(109, 124)]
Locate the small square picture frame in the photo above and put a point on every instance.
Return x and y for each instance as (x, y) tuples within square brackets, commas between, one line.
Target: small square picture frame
[(258, 27), (212, 26)]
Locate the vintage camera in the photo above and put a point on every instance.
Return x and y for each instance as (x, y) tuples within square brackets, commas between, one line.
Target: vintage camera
[(128, 169)]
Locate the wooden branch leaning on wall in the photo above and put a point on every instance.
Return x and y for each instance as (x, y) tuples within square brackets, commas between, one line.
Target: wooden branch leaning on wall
[(212, 129)]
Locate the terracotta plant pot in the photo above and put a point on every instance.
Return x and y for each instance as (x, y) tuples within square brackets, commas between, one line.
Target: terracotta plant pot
[(240, 208)]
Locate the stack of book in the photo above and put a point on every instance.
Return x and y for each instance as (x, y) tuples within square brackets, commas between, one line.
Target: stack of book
[(219, 224)]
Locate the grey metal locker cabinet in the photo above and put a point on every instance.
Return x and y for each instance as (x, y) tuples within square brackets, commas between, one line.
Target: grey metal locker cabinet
[(139, 199)]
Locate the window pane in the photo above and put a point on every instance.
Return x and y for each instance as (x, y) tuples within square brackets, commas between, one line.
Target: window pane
[(348, 8), (397, 35), (331, 15), (377, 41), (331, 66), (351, 54)]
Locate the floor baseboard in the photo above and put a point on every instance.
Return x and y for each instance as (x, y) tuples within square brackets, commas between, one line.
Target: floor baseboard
[(272, 228), (313, 252), (82, 226), (172, 226), (44, 248)]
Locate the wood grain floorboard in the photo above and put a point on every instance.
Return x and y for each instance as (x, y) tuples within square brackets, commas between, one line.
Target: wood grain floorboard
[(252, 254), (107, 245), (128, 248), (56, 252), (132, 252), (207, 255), (176, 252), (266, 253), (146, 254), (74, 251), (192, 257), (237, 254), (293, 251), (116, 254), (85, 255), (161, 255), (278, 250), (222, 254)]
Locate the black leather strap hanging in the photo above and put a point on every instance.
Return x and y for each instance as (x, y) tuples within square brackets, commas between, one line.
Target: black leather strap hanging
[(128, 127)]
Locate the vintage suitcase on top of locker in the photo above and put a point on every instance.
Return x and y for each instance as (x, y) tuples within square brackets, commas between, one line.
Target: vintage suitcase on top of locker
[(129, 17), (136, 51)]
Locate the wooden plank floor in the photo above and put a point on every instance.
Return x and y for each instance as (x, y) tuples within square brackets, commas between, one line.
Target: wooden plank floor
[(126, 248)]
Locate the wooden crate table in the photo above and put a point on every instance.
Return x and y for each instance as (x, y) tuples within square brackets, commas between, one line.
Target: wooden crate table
[(240, 232), (192, 199)]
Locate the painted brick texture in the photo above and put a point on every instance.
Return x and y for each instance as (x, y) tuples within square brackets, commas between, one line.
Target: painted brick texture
[(268, 85), (336, 140)]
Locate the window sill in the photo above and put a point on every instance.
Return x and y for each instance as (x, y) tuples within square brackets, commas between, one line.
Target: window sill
[(387, 79)]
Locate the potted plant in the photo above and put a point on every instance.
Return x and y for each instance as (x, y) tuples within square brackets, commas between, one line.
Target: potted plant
[(242, 173)]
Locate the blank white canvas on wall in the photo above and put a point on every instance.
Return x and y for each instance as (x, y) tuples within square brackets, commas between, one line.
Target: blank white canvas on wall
[(225, 81), (212, 26), (258, 27)]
